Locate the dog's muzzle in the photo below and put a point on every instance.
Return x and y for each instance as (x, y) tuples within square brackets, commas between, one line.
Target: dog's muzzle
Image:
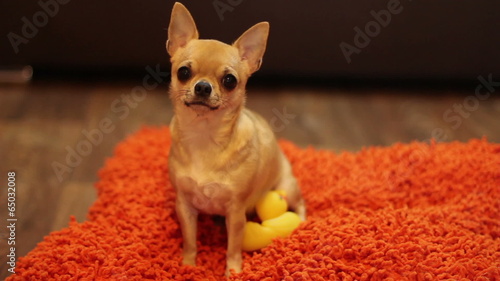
[(203, 89)]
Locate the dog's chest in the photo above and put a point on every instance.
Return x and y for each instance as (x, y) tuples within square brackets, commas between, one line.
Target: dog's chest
[(207, 194), (208, 178)]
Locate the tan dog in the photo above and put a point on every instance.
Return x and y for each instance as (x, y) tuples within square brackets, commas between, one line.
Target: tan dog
[(223, 157)]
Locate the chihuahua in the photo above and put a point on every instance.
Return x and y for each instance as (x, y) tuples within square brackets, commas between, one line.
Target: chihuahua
[(223, 157)]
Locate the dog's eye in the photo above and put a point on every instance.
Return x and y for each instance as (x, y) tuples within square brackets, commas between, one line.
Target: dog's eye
[(229, 81), (184, 73)]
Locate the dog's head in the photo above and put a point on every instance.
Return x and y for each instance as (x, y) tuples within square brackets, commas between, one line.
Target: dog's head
[(208, 75)]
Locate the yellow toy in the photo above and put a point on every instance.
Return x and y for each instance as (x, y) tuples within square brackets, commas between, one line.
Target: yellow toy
[(276, 222)]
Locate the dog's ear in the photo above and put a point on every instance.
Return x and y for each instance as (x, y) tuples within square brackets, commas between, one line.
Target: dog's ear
[(181, 30), (252, 45)]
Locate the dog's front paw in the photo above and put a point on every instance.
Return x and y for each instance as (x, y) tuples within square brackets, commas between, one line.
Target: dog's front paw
[(235, 270), (189, 259), (301, 212), (235, 266)]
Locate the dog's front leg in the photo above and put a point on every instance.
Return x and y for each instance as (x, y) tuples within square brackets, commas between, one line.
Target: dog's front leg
[(188, 218), (235, 224)]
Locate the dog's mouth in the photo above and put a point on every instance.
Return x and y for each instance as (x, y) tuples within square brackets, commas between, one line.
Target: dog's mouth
[(201, 103)]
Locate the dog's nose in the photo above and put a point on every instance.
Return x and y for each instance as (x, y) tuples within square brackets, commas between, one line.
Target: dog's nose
[(203, 89)]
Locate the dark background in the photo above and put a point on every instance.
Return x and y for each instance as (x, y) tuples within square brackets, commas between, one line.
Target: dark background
[(418, 75), (427, 41)]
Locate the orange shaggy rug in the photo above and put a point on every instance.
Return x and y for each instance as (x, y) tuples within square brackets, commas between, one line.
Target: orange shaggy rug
[(407, 212)]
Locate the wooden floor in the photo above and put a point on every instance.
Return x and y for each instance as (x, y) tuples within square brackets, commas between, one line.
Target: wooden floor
[(42, 121)]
